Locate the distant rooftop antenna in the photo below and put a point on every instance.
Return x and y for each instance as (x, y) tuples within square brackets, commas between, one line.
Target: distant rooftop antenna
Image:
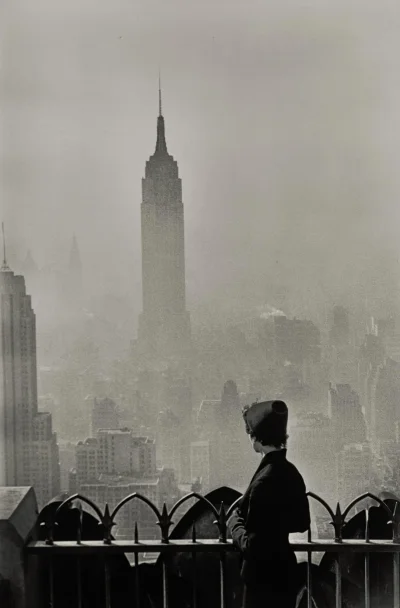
[(4, 266), (159, 94)]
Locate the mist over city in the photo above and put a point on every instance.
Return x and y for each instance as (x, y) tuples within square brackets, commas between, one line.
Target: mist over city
[(200, 212), (283, 119)]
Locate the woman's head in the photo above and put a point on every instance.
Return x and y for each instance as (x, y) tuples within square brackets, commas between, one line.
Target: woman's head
[(266, 423)]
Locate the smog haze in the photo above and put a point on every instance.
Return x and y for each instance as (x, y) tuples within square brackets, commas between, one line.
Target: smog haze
[(283, 117)]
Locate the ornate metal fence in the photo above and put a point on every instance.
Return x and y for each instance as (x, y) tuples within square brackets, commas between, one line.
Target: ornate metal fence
[(50, 550)]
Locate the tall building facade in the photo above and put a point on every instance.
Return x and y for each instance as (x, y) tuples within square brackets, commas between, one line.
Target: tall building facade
[(72, 285), (220, 433), (346, 414), (354, 467), (28, 446), (164, 324), (311, 434), (385, 403), (104, 415), (202, 464), (342, 353)]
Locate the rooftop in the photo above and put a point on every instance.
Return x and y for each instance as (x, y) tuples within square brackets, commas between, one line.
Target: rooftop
[(115, 479)]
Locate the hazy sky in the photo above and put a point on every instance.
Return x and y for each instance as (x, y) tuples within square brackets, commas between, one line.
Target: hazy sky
[(283, 116)]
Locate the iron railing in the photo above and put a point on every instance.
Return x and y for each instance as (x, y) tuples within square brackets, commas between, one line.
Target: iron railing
[(49, 548)]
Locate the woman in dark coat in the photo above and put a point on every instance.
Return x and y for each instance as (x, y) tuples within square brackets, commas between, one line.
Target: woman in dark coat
[(274, 505)]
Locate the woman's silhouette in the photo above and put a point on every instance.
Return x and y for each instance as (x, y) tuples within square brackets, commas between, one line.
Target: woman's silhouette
[(274, 505)]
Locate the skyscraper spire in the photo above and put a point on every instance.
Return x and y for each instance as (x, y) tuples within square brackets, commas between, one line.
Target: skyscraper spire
[(74, 257), (30, 264), (161, 145), (4, 265)]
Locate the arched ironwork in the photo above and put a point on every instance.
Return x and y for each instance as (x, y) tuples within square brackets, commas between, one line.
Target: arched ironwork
[(139, 497), (84, 499), (50, 520), (193, 495), (135, 495), (339, 517), (362, 497), (322, 502), (164, 517)]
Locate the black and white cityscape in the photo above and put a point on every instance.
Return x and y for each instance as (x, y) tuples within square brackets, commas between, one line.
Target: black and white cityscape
[(256, 259)]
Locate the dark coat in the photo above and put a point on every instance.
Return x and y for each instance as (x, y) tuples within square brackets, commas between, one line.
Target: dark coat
[(274, 505)]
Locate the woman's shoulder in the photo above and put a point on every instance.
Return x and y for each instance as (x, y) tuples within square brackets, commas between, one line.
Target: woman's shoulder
[(294, 472), (279, 469)]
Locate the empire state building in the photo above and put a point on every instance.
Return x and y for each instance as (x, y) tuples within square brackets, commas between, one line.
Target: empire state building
[(164, 324)]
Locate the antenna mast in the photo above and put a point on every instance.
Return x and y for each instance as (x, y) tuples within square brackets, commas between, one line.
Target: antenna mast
[(4, 246), (4, 265), (159, 94)]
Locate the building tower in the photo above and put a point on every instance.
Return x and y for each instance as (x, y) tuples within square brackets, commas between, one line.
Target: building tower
[(28, 447), (104, 415), (340, 330), (164, 324), (74, 281)]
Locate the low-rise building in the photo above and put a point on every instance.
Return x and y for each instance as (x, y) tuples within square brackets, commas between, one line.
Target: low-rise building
[(354, 466), (114, 451), (159, 488)]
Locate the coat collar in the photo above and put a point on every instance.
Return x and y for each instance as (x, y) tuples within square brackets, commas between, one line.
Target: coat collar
[(275, 456)]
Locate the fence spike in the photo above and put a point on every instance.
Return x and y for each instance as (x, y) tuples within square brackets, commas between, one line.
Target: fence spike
[(165, 524), (108, 525), (337, 523), (221, 523)]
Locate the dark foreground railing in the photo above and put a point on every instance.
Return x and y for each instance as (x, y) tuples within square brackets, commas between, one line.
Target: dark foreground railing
[(343, 550)]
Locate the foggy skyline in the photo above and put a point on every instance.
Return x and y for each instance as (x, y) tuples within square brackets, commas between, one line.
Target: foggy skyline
[(283, 120)]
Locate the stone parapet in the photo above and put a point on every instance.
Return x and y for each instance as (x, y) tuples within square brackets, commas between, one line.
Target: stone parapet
[(18, 516)]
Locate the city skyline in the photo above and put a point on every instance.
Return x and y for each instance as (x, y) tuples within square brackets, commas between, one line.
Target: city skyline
[(301, 363), (205, 343), (253, 207)]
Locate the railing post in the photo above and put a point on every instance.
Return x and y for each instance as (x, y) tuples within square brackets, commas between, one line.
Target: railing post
[(396, 556), (338, 525), (222, 570), (309, 565), (137, 579), (396, 523), (194, 566), (366, 562)]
